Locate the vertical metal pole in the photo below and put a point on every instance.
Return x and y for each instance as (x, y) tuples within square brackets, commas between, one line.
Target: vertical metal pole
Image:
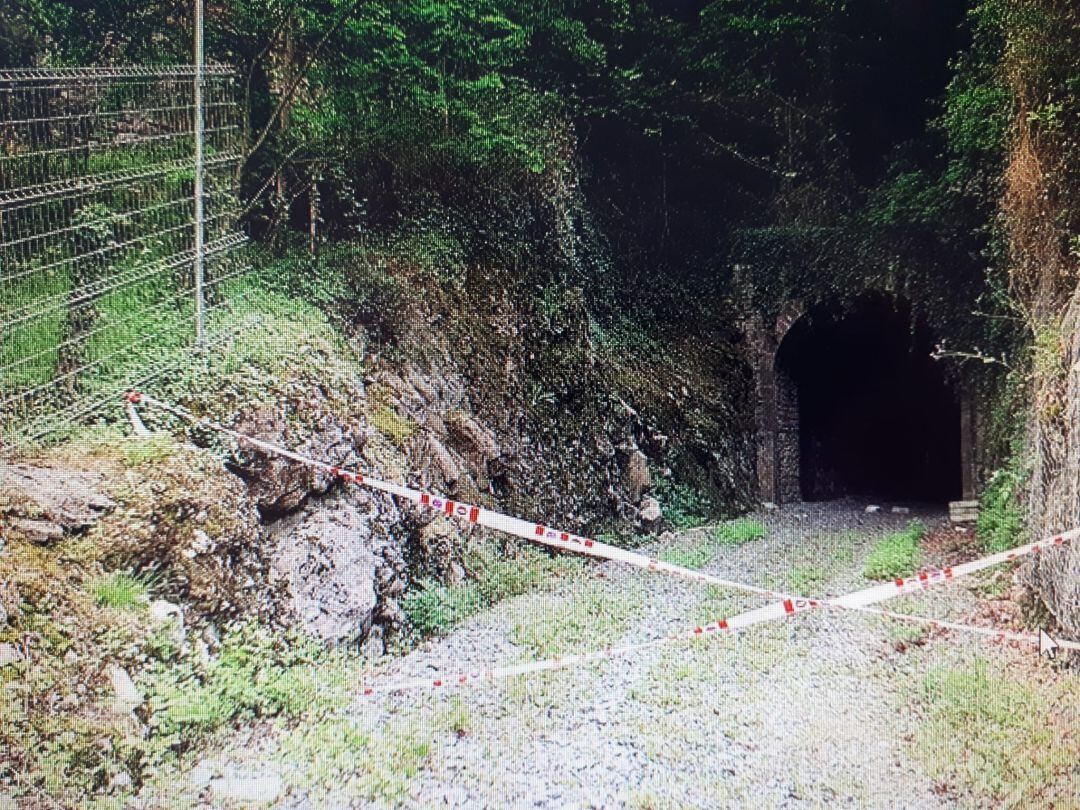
[(200, 132)]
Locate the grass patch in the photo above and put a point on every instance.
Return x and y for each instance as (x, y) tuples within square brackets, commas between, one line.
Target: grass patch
[(120, 590), (594, 616), (896, 554), (392, 425), (699, 553), (366, 757), (29, 353), (1006, 739), (806, 580), (906, 633), (140, 450), (737, 532), (434, 607), (340, 752)]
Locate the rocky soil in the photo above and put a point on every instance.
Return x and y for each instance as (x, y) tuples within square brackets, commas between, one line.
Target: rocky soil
[(808, 713)]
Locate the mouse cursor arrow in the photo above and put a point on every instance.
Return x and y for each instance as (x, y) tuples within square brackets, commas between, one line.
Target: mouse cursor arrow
[(1048, 645)]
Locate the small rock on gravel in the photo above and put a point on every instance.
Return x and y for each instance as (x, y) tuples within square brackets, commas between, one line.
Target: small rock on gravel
[(249, 789)]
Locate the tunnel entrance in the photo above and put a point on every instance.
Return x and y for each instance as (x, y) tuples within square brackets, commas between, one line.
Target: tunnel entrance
[(873, 416)]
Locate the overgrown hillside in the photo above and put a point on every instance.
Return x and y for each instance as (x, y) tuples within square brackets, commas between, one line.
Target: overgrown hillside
[(511, 251)]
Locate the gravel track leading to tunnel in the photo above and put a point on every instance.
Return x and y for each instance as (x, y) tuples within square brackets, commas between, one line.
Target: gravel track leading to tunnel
[(802, 713)]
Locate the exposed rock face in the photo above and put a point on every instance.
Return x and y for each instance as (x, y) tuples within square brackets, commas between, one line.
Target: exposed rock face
[(278, 485), (638, 479), (190, 517), (45, 502), (340, 564)]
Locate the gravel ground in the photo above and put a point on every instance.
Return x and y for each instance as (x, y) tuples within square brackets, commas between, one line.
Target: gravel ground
[(804, 713)]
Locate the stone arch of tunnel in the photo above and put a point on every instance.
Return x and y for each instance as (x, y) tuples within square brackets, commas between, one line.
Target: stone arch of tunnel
[(851, 403)]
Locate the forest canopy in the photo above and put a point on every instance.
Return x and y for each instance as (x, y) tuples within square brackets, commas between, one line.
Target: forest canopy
[(821, 142)]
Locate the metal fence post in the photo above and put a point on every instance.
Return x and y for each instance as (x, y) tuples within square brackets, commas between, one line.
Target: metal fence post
[(200, 134)]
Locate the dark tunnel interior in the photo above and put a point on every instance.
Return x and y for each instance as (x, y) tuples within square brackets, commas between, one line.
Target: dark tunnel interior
[(877, 418)]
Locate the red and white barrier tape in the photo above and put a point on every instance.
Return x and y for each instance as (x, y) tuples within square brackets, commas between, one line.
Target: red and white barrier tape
[(538, 533), (772, 612), (491, 674), (471, 514)]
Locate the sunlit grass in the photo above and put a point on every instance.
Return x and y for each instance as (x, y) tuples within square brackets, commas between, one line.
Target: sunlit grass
[(120, 590), (1005, 738), (30, 350), (896, 554), (696, 551)]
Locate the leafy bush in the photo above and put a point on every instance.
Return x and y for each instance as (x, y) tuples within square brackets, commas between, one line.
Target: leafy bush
[(684, 507), (1001, 515), (896, 554), (433, 607)]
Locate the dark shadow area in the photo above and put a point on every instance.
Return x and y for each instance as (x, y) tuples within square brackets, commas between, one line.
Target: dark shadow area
[(876, 416)]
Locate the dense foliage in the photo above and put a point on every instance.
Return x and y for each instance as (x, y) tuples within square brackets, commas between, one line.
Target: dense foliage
[(668, 134)]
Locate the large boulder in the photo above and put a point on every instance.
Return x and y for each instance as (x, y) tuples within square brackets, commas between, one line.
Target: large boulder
[(340, 563)]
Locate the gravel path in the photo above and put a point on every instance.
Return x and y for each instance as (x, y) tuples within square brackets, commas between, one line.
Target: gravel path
[(803, 713)]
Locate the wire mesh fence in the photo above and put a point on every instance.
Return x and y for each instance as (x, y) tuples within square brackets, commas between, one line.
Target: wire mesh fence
[(98, 232)]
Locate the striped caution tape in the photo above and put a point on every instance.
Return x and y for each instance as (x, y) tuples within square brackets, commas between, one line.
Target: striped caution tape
[(493, 674), (787, 605), (470, 513), (779, 610)]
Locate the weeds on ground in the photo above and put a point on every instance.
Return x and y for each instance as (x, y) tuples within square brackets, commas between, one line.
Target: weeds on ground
[(255, 674), (700, 553), (1009, 740), (684, 675), (905, 633), (433, 607), (806, 580), (737, 532), (896, 554), (592, 617), (342, 752)]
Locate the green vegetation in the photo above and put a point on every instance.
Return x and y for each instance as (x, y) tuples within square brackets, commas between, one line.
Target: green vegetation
[(698, 549), (31, 353), (373, 764), (592, 616), (683, 506), (1001, 511), (120, 590), (255, 674), (739, 531), (391, 424), (434, 607), (806, 580), (1007, 738), (895, 554)]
